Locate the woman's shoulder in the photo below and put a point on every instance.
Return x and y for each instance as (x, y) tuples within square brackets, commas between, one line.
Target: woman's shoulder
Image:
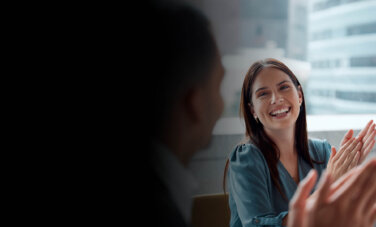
[(319, 148), (246, 153), (318, 143), (246, 159)]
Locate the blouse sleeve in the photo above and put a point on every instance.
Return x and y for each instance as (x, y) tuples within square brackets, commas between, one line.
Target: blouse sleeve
[(327, 151), (250, 185), (320, 150)]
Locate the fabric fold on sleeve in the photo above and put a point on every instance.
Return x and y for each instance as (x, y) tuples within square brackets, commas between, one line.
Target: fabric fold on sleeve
[(250, 187), (270, 219)]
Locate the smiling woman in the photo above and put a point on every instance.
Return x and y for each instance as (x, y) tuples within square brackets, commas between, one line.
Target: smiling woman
[(276, 100), (264, 172)]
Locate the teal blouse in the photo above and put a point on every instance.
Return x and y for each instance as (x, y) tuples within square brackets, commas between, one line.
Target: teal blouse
[(253, 199)]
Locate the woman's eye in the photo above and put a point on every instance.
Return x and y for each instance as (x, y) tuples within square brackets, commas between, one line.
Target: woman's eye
[(284, 87), (262, 94)]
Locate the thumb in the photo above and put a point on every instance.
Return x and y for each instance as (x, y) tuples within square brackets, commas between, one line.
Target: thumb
[(334, 152), (303, 190)]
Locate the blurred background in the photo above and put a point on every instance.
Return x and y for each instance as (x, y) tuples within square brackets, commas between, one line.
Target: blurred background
[(330, 45)]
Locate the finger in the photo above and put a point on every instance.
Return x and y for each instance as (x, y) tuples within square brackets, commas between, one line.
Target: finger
[(354, 145), (370, 199), (323, 188), (371, 134), (370, 130), (373, 219), (342, 180), (370, 138), (347, 150), (364, 130), (355, 160), (354, 184), (347, 136), (369, 194), (304, 189), (367, 144), (364, 193), (367, 151), (333, 154), (350, 159), (342, 149)]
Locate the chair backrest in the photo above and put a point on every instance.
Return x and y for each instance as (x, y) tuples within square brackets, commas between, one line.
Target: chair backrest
[(211, 210)]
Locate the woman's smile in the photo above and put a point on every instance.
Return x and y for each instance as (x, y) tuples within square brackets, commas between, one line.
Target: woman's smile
[(280, 113), (276, 100)]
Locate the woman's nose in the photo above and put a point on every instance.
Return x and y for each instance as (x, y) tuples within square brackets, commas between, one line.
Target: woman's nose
[(276, 97)]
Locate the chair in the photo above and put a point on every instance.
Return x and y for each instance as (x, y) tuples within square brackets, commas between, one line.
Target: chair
[(211, 210)]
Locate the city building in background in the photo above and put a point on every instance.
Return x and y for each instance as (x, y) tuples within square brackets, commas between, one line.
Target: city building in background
[(342, 53), (297, 35), (250, 30), (329, 44)]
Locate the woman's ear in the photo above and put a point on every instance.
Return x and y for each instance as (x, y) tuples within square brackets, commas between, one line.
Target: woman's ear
[(251, 108), (300, 94)]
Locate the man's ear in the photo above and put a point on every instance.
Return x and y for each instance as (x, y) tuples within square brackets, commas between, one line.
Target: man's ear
[(194, 104), (300, 94)]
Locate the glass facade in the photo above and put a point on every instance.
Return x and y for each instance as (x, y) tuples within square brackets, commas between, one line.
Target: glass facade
[(329, 44), (342, 53)]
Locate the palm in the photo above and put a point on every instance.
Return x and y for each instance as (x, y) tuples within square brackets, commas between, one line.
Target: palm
[(367, 136)]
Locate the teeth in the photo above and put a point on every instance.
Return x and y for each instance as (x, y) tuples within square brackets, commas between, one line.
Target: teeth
[(280, 111)]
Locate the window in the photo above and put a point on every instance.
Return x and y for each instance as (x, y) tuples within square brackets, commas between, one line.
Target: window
[(363, 61), (361, 29), (329, 44)]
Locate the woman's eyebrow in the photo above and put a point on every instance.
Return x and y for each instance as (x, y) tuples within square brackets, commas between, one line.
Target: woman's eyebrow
[(282, 82), (261, 88)]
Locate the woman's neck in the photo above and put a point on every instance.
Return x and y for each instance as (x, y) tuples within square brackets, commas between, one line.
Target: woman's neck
[(284, 139)]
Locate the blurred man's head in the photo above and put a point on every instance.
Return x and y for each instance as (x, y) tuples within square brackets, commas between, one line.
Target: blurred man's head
[(184, 74)]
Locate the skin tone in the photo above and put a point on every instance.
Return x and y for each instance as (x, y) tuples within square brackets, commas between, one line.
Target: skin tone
[(212, 103), (351, 200), (367, 138), (274, 92), (276, 104), (194, 116), (353, 150)]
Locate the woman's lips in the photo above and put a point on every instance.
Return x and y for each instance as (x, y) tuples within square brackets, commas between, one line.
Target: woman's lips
[(280, 113)]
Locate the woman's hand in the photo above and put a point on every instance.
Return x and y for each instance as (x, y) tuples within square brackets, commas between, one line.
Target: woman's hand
[(348, 202), (367, 137), (345, 159)]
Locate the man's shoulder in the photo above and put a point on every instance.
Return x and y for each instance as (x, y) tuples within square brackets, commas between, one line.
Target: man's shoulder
[(163, 208)]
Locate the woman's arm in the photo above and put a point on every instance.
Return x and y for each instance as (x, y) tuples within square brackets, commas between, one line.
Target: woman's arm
[(250, 187)]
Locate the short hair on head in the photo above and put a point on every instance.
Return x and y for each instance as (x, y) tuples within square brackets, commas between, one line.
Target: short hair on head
[(181, 51)]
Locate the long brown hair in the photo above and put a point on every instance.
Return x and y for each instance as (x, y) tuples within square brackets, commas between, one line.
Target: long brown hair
[(255, 132)]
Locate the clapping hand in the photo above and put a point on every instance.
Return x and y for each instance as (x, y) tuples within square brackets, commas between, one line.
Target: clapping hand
[(348, 202), (345, 159), (367, 137), (352, 151)]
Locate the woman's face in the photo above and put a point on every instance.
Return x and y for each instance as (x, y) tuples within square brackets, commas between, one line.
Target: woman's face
[(275, 100)]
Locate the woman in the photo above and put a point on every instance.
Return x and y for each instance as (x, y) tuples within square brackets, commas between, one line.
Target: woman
[(264, 172)]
